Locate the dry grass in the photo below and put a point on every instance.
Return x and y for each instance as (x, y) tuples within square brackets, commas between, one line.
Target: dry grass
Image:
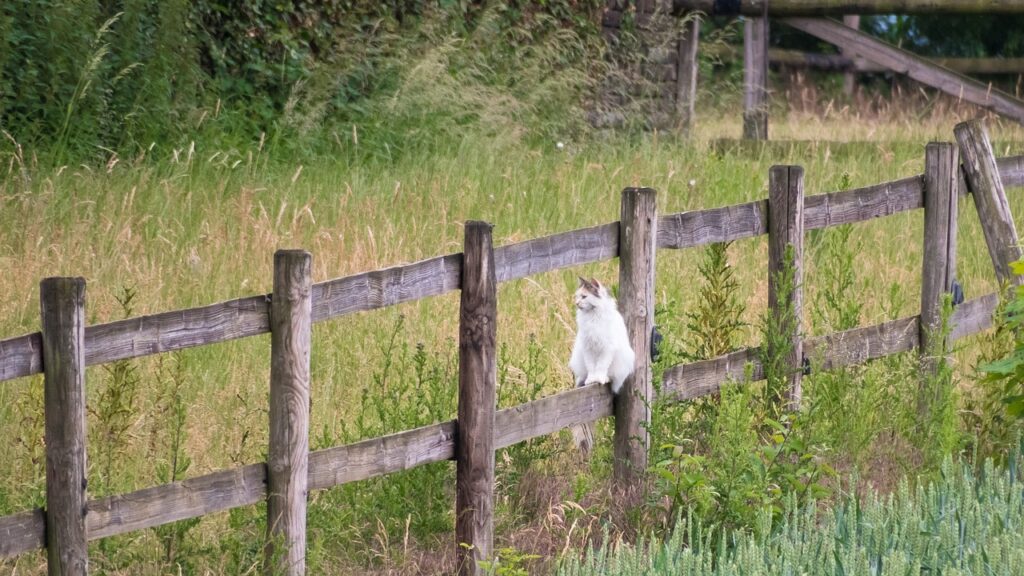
[(201, 226)]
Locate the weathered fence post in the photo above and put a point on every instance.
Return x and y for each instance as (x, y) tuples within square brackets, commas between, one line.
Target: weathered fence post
[(62, 304), (637, 242), (755, 77), (850, 76), (474, 444), (291, 320), (938, 267), (982, 175), (785, 298), (686, 76)]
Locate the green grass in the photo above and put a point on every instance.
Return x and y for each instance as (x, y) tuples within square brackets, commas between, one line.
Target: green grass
[(190, 227), (963, 524)]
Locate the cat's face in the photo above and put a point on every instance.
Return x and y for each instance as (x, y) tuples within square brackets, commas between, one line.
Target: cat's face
[(589, 294)]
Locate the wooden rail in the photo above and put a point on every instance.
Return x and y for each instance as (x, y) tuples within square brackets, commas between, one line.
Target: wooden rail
[(246, 485), (250, 316), (840, 7), (68, 348), (843, 63)]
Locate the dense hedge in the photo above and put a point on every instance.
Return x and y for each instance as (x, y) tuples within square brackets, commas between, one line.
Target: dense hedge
[(121, 74)]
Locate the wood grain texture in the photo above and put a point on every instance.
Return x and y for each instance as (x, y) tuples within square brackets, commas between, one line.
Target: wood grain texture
[(380, 456), (755, 78), (637, 246), (938, 266), (1011, 170), (973, 316), (176, 330), (696, 379), (21, 356), (168, 503), (700, 227), (786, 234), (686, 74), (22, 532), (557, 251), (918, 68), (983, 178), (551, 414), (387, 287), (62, 306), (860, 204), (859, 345), (838, 7), (291, 321), (474, 448)]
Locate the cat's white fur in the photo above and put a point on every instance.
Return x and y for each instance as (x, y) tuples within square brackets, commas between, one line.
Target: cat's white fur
[(601, 352)]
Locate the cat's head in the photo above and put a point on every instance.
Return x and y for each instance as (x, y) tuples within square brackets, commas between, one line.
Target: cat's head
[(591, 294)]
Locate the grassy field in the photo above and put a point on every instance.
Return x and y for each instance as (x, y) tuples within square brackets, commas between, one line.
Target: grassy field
[(193, 226)]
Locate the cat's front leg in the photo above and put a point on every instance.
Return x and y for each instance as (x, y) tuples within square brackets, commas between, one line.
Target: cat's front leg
[(598, 374), (578, 367)]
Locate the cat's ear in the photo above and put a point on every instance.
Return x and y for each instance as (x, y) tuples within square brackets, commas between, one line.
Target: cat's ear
[(597, 285), (583, 282)]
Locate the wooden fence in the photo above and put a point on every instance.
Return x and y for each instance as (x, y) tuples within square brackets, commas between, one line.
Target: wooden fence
[(65, 346), (859, 51)]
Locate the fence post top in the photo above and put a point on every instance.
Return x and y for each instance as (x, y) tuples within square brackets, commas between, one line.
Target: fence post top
[(788, 168), (292, 253), (478, 224), (60, 280), (642, 191)]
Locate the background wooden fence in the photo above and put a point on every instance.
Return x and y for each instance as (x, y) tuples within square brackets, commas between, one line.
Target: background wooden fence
[(65, 346), (859, 51)]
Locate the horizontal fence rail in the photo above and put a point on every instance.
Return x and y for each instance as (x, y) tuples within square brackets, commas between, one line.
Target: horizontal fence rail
[(180, 329), (250, 484), (247, 485)]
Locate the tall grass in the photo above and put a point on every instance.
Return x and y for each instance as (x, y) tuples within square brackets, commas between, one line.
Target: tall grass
[(194, 225)]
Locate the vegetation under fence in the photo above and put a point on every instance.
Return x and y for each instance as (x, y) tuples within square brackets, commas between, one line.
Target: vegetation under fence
[(141, 336)]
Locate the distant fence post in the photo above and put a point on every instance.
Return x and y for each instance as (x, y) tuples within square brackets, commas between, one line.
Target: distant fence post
[(291, 320), (474, 445), (686, 76), (986, 187), (755, 77), (850, 76), (938, 267), (785, 230), (62, 305), (637, 243)]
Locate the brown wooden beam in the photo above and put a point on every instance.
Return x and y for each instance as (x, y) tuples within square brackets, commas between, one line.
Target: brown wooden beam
[(839, 7), (916, 67)]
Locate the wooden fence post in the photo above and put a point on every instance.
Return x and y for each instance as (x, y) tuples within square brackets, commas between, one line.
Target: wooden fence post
[(850, 76), (686, 76), (755, 77), (637, 242), (938, 267), (62, 304), (291, 320), (474, 444), (786, 229), (982, 175)]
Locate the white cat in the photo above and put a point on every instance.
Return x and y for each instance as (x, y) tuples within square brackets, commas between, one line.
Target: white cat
[(601, 352)]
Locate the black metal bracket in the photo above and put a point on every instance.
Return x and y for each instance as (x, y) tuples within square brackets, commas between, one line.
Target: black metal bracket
[(656, 339), (958, 293)]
